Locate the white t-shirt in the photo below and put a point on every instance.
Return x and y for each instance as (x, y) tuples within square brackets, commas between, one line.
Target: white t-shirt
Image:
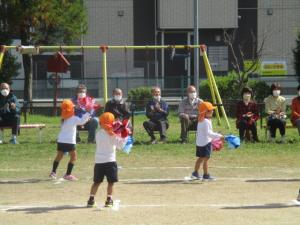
[(68, 128), (106, 146), (205, 133)]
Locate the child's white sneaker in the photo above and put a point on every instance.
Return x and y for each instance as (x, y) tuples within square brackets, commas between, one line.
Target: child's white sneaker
[(70, 177), (53, 175)]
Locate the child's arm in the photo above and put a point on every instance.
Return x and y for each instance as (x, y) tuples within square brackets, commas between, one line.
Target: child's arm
[(81, 121), (119, 142), (210, 132)]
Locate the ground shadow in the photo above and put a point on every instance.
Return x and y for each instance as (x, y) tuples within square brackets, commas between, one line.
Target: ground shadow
[(265, 206), (45, 209), (273, 180), (162, 182), (26, 181)]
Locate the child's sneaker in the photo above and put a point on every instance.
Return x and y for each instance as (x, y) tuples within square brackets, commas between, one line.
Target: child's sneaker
[(195, 175), (13, 141), (53, 175), (91, 204), (70, 177), (207, 177), (109, 202)]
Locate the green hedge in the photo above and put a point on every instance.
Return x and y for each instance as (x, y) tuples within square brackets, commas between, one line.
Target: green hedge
[(139, 96), (229, 89)]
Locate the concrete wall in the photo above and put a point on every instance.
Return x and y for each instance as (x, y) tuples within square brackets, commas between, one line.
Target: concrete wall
[(109, 22), (178, 14), (279, 23)]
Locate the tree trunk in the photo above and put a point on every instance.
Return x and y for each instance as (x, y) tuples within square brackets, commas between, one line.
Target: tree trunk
[(27, 63)]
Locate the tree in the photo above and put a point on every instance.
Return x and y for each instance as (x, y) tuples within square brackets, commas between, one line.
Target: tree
[(237, 52), (296, 52), (9, 67), (43, 22)]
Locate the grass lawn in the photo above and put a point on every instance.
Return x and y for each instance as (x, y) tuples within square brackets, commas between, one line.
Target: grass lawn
[(255, 184)]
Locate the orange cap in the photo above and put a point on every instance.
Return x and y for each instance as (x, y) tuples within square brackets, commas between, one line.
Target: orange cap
[(106, 121), (203, 108), (67, 109)]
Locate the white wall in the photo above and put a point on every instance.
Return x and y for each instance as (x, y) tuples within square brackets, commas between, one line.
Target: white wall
[(212, 14), (280, 29)]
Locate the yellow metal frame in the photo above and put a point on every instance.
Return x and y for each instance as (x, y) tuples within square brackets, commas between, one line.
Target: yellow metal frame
[(216, 98)]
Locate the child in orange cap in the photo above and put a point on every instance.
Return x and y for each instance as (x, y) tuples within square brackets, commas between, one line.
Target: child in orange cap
[(66, 141), (205, 135), (107, 141)]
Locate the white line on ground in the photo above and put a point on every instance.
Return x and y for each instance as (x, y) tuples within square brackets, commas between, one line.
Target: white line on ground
[(8, 208), (253, 179)]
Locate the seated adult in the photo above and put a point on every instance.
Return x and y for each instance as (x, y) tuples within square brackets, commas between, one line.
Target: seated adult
[(9, 112), (188, 112), (157, 111), (118, 106), (295, 115), (275, 107), (247, 115), (81, 102)]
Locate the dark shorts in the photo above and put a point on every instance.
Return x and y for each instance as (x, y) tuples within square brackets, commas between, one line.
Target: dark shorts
[(109, 170), (204, 151), (64, 147)]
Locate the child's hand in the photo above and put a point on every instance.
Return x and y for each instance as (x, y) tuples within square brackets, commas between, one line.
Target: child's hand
[(222, 139)]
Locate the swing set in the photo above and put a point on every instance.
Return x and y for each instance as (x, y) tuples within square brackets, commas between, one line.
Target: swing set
[(216, 98)]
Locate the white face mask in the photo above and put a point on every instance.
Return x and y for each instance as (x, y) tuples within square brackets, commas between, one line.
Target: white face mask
[(192, 95), (157, 98), (4, 92), (117, 98), (246, 97), (81, 95), (276, 93)]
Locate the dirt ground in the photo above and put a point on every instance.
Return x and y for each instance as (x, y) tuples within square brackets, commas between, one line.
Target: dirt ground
[(159, 195)]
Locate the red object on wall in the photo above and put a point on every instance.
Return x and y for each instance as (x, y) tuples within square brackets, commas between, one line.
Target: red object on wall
[(58, 63)]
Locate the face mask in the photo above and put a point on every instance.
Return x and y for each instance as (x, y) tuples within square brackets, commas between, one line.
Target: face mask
[(276, 93), (192, 95), (246, 97), (4, 92), (157, 98), (298, 93), (81, 95), (117, 98)]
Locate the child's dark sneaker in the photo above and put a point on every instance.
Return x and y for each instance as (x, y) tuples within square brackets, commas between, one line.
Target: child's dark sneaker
[(195, 175), (207, 177), (109, 202), (91, 203)]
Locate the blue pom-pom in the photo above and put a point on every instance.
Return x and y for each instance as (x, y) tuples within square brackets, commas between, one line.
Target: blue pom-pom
[(128, 145), (233, 141)]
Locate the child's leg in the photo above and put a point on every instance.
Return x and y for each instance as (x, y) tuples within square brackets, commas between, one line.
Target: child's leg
[(198, 164), (110, 189), (94, 189), (205, 165), (57, 159), (73, 158)]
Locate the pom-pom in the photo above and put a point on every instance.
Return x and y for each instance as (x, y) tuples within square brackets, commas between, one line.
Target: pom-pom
[(128, 146), (233, 141)]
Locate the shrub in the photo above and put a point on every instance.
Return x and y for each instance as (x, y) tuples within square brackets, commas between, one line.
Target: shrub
[(230, 90), (139, 96)]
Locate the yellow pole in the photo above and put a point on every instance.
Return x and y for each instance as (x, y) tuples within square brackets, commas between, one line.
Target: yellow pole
[(79, 47), (214, 84), (104, 72), (2, 51), (213, 96)]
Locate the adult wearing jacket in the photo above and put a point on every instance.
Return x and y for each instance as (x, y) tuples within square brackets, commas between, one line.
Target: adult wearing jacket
[(9, 111), (157, 111)]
